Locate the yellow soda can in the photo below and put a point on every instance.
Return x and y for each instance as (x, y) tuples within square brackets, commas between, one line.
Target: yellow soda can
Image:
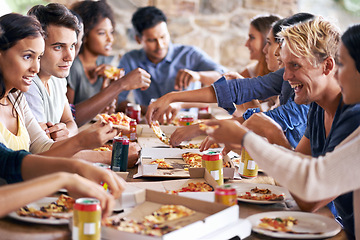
[(212, 161), (248, 167), (87, 219)]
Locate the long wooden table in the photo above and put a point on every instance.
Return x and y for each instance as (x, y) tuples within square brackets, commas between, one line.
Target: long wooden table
[(13, 229)]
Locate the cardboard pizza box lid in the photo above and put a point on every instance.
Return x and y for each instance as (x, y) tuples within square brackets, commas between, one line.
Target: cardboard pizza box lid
[(209, 217)]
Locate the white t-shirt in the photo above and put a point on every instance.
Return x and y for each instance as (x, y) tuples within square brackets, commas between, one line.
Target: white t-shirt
[(44, 106)]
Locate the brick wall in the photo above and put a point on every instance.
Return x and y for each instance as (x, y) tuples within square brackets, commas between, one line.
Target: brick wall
[(219, 27)]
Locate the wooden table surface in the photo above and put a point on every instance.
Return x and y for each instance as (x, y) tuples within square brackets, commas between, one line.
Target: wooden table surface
[(13, 229)]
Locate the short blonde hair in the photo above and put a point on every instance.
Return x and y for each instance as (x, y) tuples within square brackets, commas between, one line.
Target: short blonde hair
[(316, 40)]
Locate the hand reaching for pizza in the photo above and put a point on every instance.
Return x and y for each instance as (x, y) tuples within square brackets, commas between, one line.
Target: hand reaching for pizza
[(229, 132)]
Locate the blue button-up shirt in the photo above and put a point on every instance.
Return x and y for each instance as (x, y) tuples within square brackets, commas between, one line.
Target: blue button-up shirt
[(290, 116), (164, 73)]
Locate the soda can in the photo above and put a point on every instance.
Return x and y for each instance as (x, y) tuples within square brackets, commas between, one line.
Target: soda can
[(186, 121), (133, 111), (87, 219), (116, 154), (124, 155), (212, 161), (248, 167), (226, 194)]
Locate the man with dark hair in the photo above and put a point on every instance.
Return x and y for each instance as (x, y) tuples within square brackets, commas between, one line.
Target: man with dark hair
[(47, 93), (171, 66)]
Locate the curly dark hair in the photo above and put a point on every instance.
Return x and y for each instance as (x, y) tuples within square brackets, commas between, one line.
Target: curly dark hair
[(93, 12)]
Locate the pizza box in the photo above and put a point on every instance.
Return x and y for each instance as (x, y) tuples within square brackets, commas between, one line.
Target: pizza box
[(172, 156), (196, 175), (209, 217)]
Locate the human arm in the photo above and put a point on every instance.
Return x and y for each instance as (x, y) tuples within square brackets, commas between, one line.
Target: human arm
[(185, 76), (88, 109), (239, 91), (94, 136), (159, 107), (265, 126), (311, 179), (15, 196), (66, 128)]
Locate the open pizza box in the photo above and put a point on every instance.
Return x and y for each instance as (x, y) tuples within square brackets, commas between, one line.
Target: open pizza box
[(172, 156), (208, 218), (196, 175)]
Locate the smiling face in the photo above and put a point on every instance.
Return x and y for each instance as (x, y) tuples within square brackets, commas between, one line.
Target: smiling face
[(100, 39), (20, 63), (269, 51), (255, 43), (348, 77), (309, 82), (155, 42), (59, 52)]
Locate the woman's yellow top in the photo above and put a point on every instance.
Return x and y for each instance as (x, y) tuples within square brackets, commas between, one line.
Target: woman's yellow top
[(20, 141)]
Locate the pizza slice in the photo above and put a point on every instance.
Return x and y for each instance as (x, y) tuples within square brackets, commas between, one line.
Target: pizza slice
[(194, 187), (278, 224), (169, 213), (113, 72), (162, 164), (193, 159), (61, 208), (159, 133), (140, 227), (119, 120)]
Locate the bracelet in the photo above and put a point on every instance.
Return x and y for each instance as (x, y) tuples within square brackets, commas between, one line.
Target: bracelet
[(242, 140)]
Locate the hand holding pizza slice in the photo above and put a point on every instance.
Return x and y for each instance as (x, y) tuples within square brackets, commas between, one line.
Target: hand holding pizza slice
[(119, 120)]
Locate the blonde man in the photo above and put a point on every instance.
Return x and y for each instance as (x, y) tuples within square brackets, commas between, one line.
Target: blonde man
[(308, 53)]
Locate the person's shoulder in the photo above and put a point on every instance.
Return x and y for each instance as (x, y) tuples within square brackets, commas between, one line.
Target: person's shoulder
[(352, 110), (134, 53)]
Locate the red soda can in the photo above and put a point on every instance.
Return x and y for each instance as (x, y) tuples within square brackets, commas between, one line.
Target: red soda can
[(87, 219), (226, 194), (133, 111)]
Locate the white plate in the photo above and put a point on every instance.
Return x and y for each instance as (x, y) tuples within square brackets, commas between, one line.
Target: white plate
[(242, 188), (37, 205), (308, 223)]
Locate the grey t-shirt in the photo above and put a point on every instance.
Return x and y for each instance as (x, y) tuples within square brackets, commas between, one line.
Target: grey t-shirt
[(78, 81)]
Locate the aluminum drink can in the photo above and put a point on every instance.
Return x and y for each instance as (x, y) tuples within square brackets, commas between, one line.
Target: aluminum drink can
[(116, 154), (214, 165), (86, 219), (133, 111), (248, 167), (186, 121), (124, 155), (226, 194)]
